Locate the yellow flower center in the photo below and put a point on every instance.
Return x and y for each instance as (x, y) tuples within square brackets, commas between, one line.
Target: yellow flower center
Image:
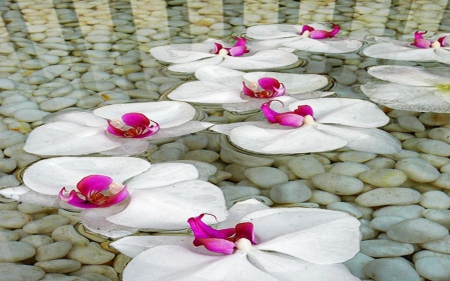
[(443, 87)]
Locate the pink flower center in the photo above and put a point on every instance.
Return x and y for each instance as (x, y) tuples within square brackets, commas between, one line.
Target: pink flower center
[(420, 42), (302, 115), (309, 31), (95, 191), (237, 50), (224, 241), (133, 125), (265, 88)]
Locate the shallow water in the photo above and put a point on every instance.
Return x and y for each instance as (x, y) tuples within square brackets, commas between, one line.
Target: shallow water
[(114, 37)]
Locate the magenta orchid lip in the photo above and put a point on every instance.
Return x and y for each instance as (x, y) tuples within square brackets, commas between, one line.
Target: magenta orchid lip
[(133, 125), (95, 191), (294, 118), (313, 33), (420, 42), (239, 49), (266, 87), (222, 241)]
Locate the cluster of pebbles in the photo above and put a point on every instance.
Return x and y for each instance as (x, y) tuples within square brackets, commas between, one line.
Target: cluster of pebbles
[(61, 54)]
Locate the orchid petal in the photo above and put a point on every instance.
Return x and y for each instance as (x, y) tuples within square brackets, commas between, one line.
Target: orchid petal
[(222, 75), (273, 31), (344, 111), (245, 230), (128, 147), (134, 245), (261, 60), (307, 28), (95, 221), (206, 92), (48, 176), (335, 31), (191, 67), (240, 41), (24, 194), (330, 45), (364, 139), (184, 129), (217, 48), (339, 233), (182, 53), (269, 113), (278, 141), (269, 83), (399, 51), (176, 263), (171, 206), (93, 184), (289, 119), (241, 209), (78, 116), (407, 75), (403, 97), (166, 113), (162, 174), (247, 91), (286, 268), (62, 138)]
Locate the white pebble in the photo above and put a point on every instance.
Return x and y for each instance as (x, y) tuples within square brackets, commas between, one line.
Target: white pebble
[(388, 196), (90, 253), (59, 266), (13, 219), (435, 200), (338, 184), (383, 223), (290, 192), (356, 156), (265, 177), (349, 169), (435, 147), (417, 169), (323, 198), (411, 123), (56, 104), (434, 268), (345, 207), (440, 246), (418, 230), (53, 251), (14, 272), (45, 225), (407, 212), (382, 248), (305, 166), (389, 269), (440, 216), (13, 251), (383, 177)]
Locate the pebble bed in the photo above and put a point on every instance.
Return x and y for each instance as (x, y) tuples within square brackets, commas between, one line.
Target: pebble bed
[(64, 54)]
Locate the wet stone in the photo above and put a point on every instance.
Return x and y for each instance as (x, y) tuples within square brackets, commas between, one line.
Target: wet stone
[(14, 251), (13, 219), (59, 266), (46, 224), (418, 230), (16, 272), (338, 184), (383, 177), (417, 169)]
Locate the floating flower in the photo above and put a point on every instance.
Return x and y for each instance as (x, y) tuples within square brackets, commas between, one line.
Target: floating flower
[(433, 49), (188, 58), (162, 196), (237, 50), (239, 91), (95, 191), (133, 125), (410, 88), (314, 125), (289, 244), (101, 131), (314, 37)]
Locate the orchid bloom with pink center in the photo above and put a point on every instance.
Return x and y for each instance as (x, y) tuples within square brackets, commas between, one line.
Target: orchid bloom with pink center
[(223, 241), (133, 125), (266, 87), (302, 115), (239, 49), (420, 42), (309, 31), (95, 191)]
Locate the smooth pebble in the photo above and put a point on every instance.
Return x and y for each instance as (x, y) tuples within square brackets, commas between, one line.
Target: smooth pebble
[(388, 196), (418, 230), (417, 169), (266, 177), (338, 184)]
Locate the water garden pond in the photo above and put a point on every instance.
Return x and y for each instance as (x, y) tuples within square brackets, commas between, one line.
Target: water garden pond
[(313, 136)]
